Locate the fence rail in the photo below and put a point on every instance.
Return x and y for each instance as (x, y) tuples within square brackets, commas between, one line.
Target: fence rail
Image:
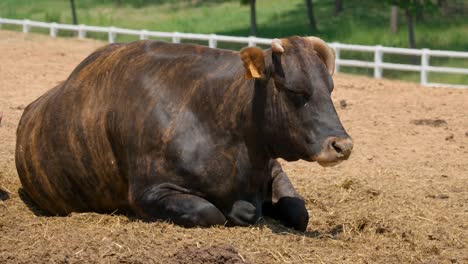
[(377, 64)]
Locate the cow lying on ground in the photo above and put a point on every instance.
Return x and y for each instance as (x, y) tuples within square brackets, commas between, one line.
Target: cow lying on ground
[(183, 132)]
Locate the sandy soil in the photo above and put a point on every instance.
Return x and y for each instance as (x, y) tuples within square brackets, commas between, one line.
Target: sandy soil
[(401, 198)]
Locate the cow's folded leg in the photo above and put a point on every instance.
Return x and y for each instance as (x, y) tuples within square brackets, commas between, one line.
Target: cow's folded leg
[(243, 213), (290, 211), (163, 202), (286, 204)]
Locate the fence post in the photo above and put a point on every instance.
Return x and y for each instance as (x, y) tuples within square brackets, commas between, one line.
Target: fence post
[(53, 30), (335, 45), (112, 35), (81, 31), (26, 26), (378, 62), (143, 34), (212, 43), (175, 37), (424, 65), (252, 41)]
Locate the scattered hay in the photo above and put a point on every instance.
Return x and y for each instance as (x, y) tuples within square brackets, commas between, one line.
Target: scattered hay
[(320, 205), (19, 107), (208, 255), (373, 192), (349, 184), (438, 196)]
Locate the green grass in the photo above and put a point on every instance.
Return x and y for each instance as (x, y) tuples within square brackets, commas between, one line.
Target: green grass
[(362, 22)]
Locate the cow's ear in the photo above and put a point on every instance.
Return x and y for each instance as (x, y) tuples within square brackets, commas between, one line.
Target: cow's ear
[(254, 62)]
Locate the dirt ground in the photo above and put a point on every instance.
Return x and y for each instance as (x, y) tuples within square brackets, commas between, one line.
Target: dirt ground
[(402, 197)]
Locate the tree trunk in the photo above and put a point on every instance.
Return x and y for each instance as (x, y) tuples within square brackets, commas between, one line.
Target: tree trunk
[(443, 5), (409, 20), (394, 19), (338, 7), (73, 9), (253, 18), (310, 14)]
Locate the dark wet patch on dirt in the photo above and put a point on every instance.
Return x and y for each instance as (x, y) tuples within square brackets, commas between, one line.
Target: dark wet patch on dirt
[(429, 122), (343, 104)]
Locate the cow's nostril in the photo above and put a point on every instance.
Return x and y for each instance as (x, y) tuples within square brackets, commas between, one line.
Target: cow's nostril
[(337, 148), (334, 150), (342, 147)]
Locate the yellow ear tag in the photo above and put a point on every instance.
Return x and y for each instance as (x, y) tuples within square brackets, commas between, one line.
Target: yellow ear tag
[(253, 71)]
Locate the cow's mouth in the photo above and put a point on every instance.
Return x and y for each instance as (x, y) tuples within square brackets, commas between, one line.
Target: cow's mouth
[(329, 163)]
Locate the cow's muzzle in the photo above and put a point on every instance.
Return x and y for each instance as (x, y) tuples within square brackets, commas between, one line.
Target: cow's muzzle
[(334, 150)]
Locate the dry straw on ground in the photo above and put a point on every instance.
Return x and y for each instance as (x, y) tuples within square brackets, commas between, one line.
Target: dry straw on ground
[(401, 198)]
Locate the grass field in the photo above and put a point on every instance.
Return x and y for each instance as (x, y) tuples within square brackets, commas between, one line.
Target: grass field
[(362, 22)]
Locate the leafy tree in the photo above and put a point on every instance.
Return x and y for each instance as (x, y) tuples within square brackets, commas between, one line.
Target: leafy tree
[(393, 18), (310, 14), (338, 7), (73, 9), (412, 9), (253, 16)]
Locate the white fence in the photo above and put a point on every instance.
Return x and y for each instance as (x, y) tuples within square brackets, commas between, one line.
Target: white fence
[(378, 64)]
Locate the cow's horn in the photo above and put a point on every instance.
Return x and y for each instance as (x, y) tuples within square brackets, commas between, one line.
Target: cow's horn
[(277, 46), (326, 53)]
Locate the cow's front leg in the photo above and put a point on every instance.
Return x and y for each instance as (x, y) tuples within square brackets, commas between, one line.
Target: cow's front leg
[(286, 204), (173, 203)]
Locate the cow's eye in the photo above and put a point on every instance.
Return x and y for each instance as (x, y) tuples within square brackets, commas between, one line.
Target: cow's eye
[(299, 99)]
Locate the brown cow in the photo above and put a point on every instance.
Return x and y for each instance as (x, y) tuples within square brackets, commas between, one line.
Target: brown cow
[(183, 133)]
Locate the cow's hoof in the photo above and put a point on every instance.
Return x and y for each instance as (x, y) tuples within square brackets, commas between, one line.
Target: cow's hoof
[(242, 213), (207, 216), (292, 212)]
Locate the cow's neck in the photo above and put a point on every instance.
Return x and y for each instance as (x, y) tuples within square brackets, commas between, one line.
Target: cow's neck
[(254, 122)]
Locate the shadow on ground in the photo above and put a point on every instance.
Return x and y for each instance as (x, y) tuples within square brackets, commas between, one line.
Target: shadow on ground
[(267, 222), (4, 195)]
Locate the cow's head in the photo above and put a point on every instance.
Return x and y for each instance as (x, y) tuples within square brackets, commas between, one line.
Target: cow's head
[(292, 103)]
